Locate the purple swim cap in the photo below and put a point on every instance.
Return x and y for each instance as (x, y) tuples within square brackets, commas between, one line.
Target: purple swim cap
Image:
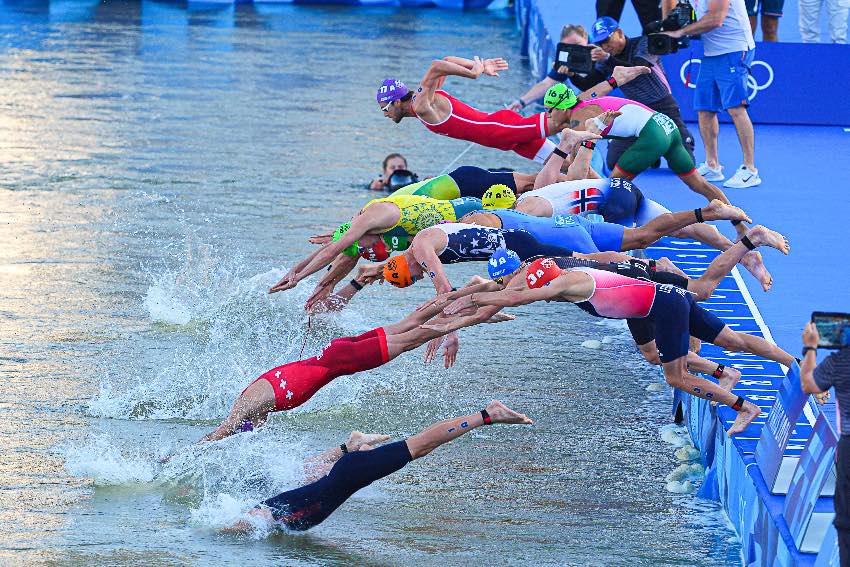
[(391, 90)]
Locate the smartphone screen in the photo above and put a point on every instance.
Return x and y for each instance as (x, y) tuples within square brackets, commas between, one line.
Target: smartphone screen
[(833, 328)]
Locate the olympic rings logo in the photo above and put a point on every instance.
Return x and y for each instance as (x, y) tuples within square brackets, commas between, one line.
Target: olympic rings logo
[(753, 86)]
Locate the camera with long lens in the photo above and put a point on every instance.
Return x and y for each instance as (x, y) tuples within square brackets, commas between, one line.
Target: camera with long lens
[(680, 16)]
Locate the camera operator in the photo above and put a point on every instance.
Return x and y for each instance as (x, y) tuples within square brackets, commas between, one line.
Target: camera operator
[(575, 35), (651, 89), (722, 82), (816, 378)]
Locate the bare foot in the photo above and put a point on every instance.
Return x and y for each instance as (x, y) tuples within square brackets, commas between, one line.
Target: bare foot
[(357, 440), (745, 416), (665, 265), (729, 378), (694, 345), (500, 413), (755, 265), (718, 210), (571, 138), (763, 236)]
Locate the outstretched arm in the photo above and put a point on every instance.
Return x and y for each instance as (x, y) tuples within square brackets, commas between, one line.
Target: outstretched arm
[(427, 258), (456, 66), (370, 220), (621, 75)]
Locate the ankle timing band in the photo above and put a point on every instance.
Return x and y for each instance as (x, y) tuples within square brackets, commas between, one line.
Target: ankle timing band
[(486, 417), (739, 403), (698, 215), (748, 243), (719, 371)]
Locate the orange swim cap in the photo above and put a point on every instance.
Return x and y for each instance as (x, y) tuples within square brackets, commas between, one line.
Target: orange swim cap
[(541, 272), (397, 272)]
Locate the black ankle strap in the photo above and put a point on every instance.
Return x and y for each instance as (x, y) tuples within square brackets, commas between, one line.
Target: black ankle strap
[(739, 403), (745, 240), (718, 372), (486, 417), (698, 215)]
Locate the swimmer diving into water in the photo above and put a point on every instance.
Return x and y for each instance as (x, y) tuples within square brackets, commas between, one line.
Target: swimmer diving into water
[(341, 471), (292, 384), (671, 309), (505, 129)]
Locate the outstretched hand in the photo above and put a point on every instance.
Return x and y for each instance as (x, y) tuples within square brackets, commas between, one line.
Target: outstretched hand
[(571, 138), (371, 274), (459, 305), (321, 239), (432, 348), (318, 296), (440, 299), (286, 282), (625, 74), (452, 345), (493, 66)]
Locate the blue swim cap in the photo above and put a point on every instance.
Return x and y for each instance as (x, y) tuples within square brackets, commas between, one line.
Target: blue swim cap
[(503, 262)]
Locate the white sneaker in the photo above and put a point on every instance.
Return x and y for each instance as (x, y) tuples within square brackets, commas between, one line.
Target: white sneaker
[(743, 178), (710, 173)]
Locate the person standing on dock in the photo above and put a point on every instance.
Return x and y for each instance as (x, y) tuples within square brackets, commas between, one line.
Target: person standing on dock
[(834, 372)]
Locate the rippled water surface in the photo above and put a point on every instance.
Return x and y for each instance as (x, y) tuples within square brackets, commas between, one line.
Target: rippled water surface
[(161, 166)]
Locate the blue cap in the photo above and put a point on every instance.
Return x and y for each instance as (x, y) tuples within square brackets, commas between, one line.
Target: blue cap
[(602, 28), (503, 262)]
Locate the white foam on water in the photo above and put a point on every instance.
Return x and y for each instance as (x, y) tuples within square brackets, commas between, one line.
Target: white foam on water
[(655, 387), (686, 453), (680, 487), (592, 344), (223, 330), (103, 460)]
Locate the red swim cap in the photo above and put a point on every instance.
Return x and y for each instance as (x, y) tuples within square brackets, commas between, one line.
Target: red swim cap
[(541, 272), (377, 253)]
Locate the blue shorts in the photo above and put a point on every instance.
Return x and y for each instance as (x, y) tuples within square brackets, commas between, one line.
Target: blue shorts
[(607, 237), (722, 81), (677, 317), (768, 7)]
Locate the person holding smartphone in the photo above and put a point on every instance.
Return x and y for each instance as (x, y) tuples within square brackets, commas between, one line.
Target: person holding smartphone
[(833, 372)]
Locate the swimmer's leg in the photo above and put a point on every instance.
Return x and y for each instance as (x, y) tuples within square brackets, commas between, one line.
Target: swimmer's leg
[(450, 429), (710, 236), (669, 223), (677, 375), (728, 376), (253, 404), (742, 342), (698, 184), (723, 264)]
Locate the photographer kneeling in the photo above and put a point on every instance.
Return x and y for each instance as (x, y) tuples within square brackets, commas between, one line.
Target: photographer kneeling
[(816, 378), (651, 89)]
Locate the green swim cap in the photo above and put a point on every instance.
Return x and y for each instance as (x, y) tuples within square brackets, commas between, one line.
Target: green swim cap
[(560, 97), (343, 228)]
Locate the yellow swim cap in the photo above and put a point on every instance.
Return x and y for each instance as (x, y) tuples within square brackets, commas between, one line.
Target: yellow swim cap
[(498, 197)]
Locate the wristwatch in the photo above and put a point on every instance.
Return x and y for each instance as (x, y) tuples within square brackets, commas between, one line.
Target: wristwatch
[(806, 350)]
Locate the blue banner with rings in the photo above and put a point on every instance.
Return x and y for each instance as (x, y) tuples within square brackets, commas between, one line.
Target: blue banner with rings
[(790, 83)]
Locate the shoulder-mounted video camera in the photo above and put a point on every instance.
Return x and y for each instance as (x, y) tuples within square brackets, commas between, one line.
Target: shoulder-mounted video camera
[(680, 16)]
